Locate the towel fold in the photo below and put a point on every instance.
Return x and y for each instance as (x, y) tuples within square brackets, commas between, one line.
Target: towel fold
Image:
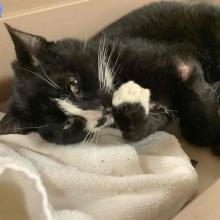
[(108, 180)]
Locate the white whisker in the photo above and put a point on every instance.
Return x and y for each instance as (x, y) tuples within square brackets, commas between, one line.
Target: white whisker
[(97, 137), (93, 138), (104, 67), (48, 78), (38, 75), (87, 136)]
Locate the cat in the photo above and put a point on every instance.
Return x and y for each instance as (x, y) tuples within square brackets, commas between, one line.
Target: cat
[(156, 64)]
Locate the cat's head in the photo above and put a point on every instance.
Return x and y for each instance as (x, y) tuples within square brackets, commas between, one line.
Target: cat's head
[(61, 90)]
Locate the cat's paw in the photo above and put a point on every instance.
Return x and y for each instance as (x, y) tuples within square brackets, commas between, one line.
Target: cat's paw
[(131, 93)]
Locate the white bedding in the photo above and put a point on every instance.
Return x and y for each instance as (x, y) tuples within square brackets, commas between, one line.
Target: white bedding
[(108, 181)]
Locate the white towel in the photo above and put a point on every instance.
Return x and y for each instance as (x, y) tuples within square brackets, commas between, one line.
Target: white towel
[(110, 180)]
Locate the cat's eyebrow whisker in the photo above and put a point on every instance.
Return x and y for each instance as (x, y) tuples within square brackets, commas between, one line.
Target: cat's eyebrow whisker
[(100, 62), (115, 71), (113, 67), (48, 78), (110, 55), (105, 70), (38, 75)]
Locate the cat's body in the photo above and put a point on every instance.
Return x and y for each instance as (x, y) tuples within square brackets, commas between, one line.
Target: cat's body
[(160, 60), (173, 49)]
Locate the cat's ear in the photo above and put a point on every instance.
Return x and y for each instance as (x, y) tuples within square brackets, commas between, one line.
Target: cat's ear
[(27, 46), (9, 125)]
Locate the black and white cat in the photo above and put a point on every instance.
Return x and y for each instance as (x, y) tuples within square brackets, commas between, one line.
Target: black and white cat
[(158, 61)]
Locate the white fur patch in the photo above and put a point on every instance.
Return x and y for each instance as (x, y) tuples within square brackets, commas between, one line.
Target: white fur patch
[(92, 117), (131, 92), (104, 69)]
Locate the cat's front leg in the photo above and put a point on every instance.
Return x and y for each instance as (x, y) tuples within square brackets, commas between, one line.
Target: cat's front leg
[(131, 111)]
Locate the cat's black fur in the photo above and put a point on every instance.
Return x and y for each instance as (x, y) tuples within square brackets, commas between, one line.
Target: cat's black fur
[(171, 48)]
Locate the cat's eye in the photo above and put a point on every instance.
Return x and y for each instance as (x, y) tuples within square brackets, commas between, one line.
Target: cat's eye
[(74, 85), (68, 123)]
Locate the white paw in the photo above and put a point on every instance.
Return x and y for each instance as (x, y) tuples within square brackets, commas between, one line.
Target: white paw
[(131, 92)]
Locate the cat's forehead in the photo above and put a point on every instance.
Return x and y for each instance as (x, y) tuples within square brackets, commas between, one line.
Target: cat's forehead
[(73, 54), (73, 46)]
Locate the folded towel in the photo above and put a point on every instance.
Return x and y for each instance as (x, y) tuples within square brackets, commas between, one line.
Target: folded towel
[(108, 180)]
